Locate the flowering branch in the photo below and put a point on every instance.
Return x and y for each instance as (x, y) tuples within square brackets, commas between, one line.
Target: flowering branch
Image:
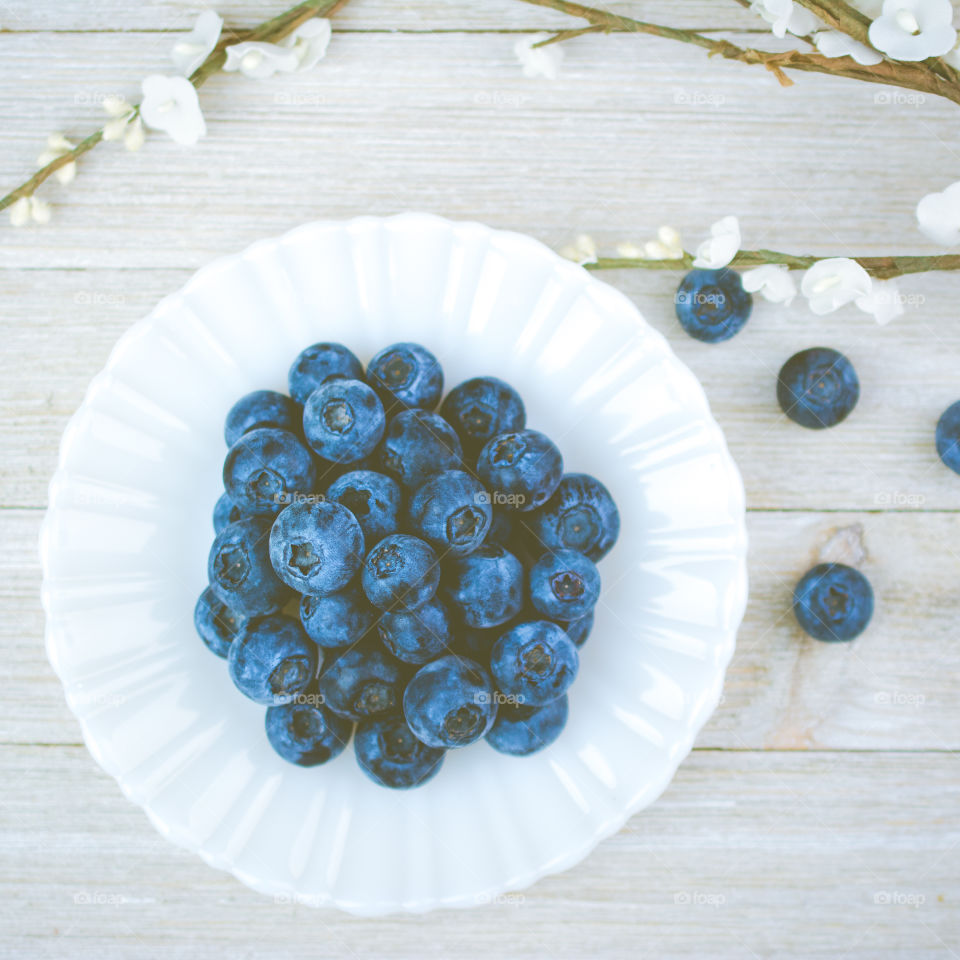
[(931, 75), (883, 268), (270, 30)]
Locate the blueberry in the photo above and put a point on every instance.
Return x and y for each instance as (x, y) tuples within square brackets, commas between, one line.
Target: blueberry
[(316, 547), (265, 469), (712, 305), (579, 630), (520, 730), (400, 572), (240, 571), (363, 681), (833, 602), (817, 388), (581, 516), (306, 733), (262, 408), (391, 756), (418, 636), (535, 662), (452, 512), (406, 375), (564, 585), (225, 511), (948, 437), (521, 469), (272, 660), (338, 619), (481, 408), (343, 421), (486, 587), (373, 498), (416, 445), (217, 625), (450, 702), (319, 364)]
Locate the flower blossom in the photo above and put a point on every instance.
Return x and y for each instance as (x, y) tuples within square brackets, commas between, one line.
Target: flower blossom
[(539, 61), (190, 51), (914, 29), (784, 16), (171, 104), (833, 44), (772, 281), (721, 247), (939, 215), (57, 146), (831, 283), (302, 49)]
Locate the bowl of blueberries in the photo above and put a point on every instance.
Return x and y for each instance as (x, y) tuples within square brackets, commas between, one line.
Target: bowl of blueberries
[(392, 564)]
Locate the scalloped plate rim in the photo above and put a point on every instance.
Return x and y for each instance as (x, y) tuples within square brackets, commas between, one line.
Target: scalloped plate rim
[(613, 823)]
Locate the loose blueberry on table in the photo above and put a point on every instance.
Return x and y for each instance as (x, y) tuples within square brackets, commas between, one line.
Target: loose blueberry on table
[(818, 388), (712, 305), (442, 564), (833, 602)]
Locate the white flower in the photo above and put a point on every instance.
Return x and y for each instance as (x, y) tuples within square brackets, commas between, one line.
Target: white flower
[(629, 251), (190, 51), (722, 246), (582, 250), (914, 29), (171, 104), (309, 42), (302, 49), (833, 282), (785, 15), (26, 209), (539, 61), (57, 146), (123, 123), (939, 215), (883, 301), (772, 281), (833, 43)]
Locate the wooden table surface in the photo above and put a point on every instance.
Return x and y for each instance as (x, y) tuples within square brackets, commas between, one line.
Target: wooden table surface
[(819, 815)]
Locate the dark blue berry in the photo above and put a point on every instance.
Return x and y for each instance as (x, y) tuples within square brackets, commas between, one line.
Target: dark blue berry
[(485, 588), (581, 516), (400, 572), (520, 730), (417, 445), (564, 585), (373, 498), (391, 756), (833, 602), (818, 387), (343, 421), (419, 636), (240, 572), (363, 681), (579, 630), (948, 437), (320, 364), (535, 662), (452, 512), (450, 702), (306, 733), (225, 511), (262, 408), (406, 375), (217, 625), (520, 469), (480, 409), (316, 547), (273, 660), (712, 305), (338, 619), (266, 469)]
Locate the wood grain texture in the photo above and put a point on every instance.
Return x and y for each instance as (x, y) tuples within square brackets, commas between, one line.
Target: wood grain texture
[(817, 816), (754, 854)]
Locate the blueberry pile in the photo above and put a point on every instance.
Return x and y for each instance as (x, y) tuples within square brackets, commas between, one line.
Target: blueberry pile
[(416, 579)]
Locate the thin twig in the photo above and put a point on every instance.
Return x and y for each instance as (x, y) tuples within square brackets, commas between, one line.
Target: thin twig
[(271, 30), (883, 268), (921, 76)]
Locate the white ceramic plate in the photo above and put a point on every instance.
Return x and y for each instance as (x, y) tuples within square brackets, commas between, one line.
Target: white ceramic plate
[(125, 541)]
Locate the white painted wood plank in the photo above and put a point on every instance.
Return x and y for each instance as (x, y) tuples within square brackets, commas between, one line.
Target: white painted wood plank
[(893, 689), (746, 855), (416, 15), (59, 326)]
